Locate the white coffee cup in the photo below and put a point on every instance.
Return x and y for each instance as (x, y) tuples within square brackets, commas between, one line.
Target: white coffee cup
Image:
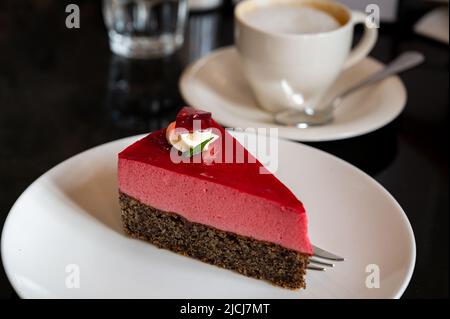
[(294, 70)]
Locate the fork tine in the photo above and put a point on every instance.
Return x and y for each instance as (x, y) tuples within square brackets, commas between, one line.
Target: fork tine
[(319, 262), (322, 253), (310, 267)]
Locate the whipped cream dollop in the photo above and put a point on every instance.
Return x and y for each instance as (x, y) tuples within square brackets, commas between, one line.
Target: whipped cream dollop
[(185, 141)]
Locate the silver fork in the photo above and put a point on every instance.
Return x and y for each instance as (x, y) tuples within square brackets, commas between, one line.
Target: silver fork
[(318, 264)]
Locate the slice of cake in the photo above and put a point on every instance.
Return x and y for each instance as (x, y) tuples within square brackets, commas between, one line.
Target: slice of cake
[(184, 189)]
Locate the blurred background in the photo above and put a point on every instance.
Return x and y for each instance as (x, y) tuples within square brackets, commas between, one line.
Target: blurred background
[(63, 91)]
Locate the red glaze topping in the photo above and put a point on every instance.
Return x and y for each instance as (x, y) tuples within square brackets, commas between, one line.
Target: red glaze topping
[(187, 115), (155, 150)]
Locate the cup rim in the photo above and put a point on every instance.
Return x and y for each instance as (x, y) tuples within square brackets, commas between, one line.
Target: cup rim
[(241, 6)]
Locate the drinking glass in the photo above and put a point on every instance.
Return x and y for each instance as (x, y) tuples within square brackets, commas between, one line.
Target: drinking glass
[(145, 28)]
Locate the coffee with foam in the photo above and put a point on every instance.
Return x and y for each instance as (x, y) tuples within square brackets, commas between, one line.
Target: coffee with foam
[(290, 19)]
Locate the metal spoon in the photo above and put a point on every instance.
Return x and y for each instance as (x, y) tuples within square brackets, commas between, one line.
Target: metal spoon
[(323, 115)]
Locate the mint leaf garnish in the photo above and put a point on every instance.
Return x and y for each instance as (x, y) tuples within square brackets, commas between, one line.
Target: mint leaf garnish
[(198, 149)]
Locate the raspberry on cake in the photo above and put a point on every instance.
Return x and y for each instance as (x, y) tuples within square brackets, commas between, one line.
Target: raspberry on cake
[(224, 213)]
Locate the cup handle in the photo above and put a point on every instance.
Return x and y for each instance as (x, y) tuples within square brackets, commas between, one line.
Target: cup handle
[(366, 43)]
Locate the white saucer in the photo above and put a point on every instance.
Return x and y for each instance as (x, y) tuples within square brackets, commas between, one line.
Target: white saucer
[(68, 222), (215, 83)]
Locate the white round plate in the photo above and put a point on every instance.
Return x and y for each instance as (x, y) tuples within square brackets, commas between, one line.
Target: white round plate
[(63, 236), (215, 83)]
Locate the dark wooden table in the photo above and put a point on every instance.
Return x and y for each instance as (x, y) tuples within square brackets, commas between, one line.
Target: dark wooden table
[(62, 92)]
